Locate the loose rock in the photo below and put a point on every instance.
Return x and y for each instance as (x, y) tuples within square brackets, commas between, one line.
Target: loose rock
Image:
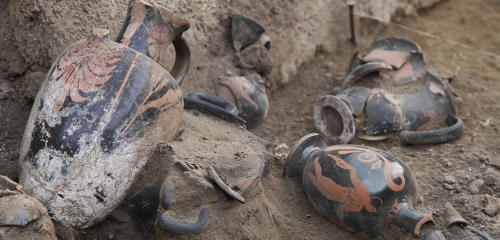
[(5, 89), (475, 185), (491, 205), (31, 84)]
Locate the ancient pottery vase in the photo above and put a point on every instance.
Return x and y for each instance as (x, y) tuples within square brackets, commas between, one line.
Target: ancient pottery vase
[(405, 98), (101, 110), (359, 188), (248, 94)]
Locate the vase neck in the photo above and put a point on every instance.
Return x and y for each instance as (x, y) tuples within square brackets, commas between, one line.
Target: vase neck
[(403, 215), (295, 166), (150, 28), (301, 152)]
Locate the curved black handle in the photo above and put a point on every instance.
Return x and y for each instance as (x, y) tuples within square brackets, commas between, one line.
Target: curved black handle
[(173, 226), (216, 106), (182, 59), (453, 131)]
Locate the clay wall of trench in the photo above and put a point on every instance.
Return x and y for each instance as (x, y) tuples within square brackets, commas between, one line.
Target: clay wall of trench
[(35, 32)]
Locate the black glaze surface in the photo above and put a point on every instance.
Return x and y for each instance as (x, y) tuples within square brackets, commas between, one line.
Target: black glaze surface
[(359, 188)]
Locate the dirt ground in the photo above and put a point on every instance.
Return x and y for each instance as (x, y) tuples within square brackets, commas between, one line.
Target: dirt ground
[(462, 48), (445, 171)]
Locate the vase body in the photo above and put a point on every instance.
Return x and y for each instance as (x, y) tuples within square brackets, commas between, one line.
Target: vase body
[(248, 94), (101, 110), (359, 188), (403, 97)]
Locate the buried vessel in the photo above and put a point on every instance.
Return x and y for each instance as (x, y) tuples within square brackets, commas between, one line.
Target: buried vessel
[(22, 216), (99, 112), (359, 188), (405, 98), (248, 94)]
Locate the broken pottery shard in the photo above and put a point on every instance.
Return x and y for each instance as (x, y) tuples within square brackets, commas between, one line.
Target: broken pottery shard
[(394, 51), (212, 174), (101, 111), (412, 70), (363, 70), (244, 31), (424, 107), (452, 217), (355, 97), (383, 113), (22, 216), (404, 98)]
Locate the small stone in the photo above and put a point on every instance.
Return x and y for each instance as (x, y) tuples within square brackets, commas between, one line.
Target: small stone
[(5, 89), (492, 177), (281, 151), (495, 161), (420, 199), (475, 185), (491, 205), (449, 179), (448, 186), (448, 164), (483, 157)]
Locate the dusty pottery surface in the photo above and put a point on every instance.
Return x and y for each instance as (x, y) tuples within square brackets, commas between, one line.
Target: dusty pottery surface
[(85, 140), (201, 141), (390, 91), (248, 94), (22, 217), (359, 188)]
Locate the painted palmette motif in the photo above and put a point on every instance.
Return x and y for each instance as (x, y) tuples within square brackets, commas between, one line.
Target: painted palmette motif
[(101, 110), (248, 94), (405, 97), (359, 188)]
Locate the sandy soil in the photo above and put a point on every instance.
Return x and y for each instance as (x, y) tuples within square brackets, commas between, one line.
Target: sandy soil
[(445, 171), (280, 209)]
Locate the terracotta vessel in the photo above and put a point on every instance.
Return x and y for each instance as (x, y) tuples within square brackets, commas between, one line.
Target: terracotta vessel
[(359, 188), (248, 94), (405, 98), (101, 110)]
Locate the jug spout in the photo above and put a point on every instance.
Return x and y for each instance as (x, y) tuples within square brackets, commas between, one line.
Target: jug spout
[(403, 215), (150, 28)]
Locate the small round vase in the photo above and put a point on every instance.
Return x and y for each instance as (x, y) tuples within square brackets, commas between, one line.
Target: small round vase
[(248, 94), (359, 188)]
